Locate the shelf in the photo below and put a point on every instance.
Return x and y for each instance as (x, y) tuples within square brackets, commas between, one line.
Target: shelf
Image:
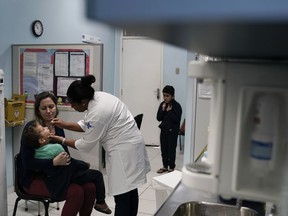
[(13, 124)]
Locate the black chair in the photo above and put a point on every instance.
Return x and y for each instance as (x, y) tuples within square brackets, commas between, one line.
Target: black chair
[(181, 133), (138, 118), (22, 195)]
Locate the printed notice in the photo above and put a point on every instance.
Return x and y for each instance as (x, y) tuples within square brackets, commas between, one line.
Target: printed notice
[(77, 64), (30, 63), (45, 77), (61, 63), (62, 85)]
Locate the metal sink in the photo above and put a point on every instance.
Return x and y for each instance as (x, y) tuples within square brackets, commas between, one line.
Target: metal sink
[(212, 209)]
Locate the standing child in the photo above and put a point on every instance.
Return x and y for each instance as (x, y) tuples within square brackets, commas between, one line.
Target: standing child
[(169, 113)]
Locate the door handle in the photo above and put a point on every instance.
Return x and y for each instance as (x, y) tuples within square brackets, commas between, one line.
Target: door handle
[(158, 93)]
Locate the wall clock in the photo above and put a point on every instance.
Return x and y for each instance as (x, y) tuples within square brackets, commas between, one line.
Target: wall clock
[(37, 28)]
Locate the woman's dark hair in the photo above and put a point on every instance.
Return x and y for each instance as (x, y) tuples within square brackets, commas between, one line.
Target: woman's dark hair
[(38, 99), (169, 90), (30, 136), (81, 89)]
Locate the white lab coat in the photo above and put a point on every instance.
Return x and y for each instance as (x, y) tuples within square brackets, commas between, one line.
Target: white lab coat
[(109, 122)]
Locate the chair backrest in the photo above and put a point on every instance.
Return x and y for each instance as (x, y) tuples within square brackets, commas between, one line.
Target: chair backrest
[(182, 128), (21, 192), (138, 118), (18, 188)]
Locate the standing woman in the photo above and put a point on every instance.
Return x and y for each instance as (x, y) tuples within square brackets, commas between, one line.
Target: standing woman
[(79, 198), (109, 123)]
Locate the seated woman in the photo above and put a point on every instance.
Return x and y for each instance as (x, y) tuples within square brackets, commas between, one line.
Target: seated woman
[(57, 178), (80, 196)]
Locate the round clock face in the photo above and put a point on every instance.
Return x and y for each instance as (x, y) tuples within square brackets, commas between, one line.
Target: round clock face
[(37, 28)]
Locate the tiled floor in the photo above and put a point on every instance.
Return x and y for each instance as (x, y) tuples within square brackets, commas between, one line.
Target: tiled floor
[(147, 196)]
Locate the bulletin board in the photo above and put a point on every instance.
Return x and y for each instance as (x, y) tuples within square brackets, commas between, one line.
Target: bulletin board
[(53, 67)]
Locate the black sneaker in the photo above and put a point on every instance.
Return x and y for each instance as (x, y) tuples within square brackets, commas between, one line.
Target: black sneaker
[(103, 208), (162, 170)]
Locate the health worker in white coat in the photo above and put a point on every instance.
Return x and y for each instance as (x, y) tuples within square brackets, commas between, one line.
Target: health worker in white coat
[(109, 123)]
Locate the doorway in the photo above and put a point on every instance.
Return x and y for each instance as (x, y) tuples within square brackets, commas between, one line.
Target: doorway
[(141, 82)]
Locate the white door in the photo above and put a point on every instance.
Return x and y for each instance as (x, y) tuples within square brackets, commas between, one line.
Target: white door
[(141, 82)]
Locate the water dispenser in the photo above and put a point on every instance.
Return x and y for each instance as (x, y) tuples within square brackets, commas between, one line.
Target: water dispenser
[(248, 130)]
